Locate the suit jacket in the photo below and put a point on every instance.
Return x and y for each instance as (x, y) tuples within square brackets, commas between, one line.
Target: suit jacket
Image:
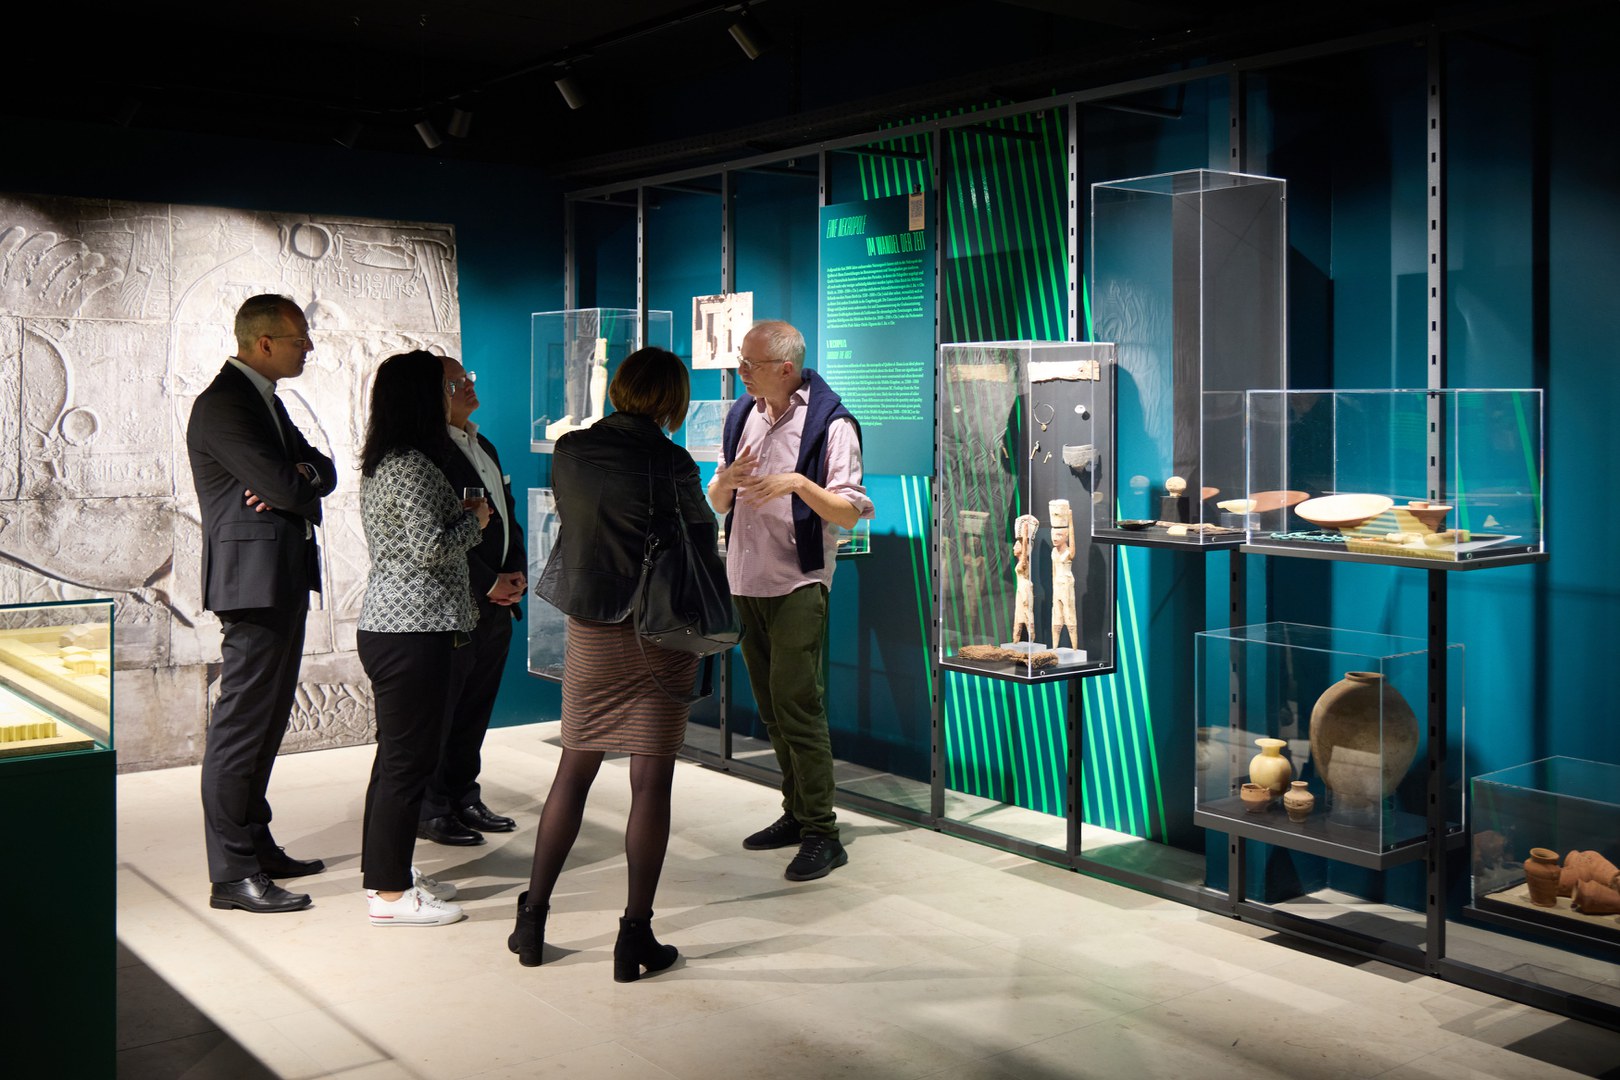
[(254, 559), (484, 562)]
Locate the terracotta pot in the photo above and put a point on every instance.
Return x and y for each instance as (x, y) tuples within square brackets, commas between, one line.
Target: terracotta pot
[(1541, 875), (1592, 898), (1269, 768), (1601, 870), (1363, 739), (1298, 801), (1256, 797)]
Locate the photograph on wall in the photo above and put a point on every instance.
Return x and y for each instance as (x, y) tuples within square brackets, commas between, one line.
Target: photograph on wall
[(718, 325)]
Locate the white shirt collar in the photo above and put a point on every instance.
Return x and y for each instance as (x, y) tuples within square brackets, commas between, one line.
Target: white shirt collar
[(265, 387)]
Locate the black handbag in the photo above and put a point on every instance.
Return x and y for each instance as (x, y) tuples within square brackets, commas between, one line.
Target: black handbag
[(683, 600)]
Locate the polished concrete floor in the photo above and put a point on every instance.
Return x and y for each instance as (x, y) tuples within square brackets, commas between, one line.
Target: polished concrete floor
[(925, 957)]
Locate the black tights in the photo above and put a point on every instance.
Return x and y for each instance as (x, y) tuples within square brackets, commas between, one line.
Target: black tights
[(646, 833)]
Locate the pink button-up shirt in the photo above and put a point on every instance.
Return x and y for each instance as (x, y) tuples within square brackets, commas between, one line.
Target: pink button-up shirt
[(762, 556)]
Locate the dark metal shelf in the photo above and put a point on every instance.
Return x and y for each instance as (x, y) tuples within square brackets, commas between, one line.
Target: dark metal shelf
[(1156, 538), (1330, 553), (1317, 835)]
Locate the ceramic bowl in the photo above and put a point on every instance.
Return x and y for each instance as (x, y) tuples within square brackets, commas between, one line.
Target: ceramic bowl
[(1237, 506), (1431, 514), (1343, 511), (1134, 524), (1267, 501)]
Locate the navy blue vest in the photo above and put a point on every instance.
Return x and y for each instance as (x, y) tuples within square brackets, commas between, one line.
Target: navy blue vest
[(825, 406)]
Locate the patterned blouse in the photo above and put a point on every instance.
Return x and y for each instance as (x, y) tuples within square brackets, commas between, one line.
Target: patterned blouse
[(418, 536)]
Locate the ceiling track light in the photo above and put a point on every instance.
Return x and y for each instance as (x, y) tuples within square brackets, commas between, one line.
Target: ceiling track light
[(570, 89), (460, 123), (750, 37), (429, 134)]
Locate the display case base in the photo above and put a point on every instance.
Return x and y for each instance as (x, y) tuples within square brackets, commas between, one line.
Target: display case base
[(1402, 841), (1513, 903)]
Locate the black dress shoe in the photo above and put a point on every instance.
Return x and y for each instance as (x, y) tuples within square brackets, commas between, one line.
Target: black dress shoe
[(278, 864), (478, 816), (448, 830), (256, 893)]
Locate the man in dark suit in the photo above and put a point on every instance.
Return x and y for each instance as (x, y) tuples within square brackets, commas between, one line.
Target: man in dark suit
[(453, 810), (259, 488)]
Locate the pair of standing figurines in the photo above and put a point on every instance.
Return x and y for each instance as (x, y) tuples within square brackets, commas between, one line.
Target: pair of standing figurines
[(1272, 775)]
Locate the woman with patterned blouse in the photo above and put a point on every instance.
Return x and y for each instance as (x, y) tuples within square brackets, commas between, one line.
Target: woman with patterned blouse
[(417, 610)]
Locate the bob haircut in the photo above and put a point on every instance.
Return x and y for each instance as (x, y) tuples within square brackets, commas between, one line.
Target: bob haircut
[(652, 382), (407, 410)]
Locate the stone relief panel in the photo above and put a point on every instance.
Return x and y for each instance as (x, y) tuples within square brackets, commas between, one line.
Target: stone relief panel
[(10, 406), (113, 317)]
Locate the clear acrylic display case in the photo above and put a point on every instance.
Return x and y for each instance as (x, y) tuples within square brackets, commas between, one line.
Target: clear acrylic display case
[(1561, 807), (1188, 279), (1341, 712), (56, 664), (1432, 478), (547, 625), (1019, 424), (575, 354)]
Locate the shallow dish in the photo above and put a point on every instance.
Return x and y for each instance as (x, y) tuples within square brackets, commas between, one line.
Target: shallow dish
[(1267, 501), (1430, 514), (1343, 511), (1134, 523)]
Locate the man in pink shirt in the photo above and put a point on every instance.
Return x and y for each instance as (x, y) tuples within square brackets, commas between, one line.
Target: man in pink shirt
[(789, 478)]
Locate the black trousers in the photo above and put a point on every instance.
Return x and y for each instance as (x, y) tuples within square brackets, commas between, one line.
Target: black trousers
[(410, 681), (475, 679), (258, 678)]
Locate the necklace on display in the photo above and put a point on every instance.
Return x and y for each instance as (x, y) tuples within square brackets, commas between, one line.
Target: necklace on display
[(1051, 411)]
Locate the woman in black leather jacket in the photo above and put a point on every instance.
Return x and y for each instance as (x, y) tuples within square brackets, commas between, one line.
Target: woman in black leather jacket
[(613, 481)]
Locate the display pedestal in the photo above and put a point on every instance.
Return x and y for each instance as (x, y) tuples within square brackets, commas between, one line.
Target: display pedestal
[(63, 969)]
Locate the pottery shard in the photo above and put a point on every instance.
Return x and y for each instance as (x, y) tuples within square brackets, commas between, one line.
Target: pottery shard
[(1592, 898), (1587, 866), (981, 653)]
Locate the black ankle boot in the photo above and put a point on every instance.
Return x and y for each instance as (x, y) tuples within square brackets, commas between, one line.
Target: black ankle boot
[(637, 949), (528, 937)]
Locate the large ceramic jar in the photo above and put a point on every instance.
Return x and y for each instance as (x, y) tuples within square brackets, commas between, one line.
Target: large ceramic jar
[(1363, 739), (1541, 875), (1269, 768)]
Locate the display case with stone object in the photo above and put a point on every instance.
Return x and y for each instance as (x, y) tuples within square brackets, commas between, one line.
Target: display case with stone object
[(56, 665), (574, 355), (1556, 822), (1286, 703), (1440, 479), (1020, 429), (1188, 276)]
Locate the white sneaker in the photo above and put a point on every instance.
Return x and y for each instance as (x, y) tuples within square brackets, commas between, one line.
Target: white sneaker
[(415, 907), (439, 890)]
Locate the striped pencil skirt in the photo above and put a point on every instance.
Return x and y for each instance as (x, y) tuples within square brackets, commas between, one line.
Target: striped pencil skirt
[(609, 700)]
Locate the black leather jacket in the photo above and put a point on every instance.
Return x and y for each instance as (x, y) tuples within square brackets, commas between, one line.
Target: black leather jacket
[(603, 477)]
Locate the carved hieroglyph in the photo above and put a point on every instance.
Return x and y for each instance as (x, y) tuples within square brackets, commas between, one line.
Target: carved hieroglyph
[(113, 317)]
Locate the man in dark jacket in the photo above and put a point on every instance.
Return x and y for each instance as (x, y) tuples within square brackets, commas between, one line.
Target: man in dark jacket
[(789, 477), (453, 810), (259, 488)]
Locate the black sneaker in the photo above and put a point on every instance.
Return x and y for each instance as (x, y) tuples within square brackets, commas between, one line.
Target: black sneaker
[(819, 855), (783, 832)]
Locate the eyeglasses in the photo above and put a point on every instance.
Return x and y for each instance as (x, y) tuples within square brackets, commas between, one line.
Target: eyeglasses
[(301, 340), (748, 368), (455, 385), (452, 386)]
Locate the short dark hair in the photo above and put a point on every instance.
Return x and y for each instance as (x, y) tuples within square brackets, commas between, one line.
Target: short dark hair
[(407, 409), (260, 315), (652, 382)]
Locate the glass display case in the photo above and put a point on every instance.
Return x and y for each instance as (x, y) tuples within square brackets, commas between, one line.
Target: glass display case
[(1315, 739), (1432, 478), (1188, 280), (1544, 840), (56, 664), (1024, 593), (547, 625), (575, 354)]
